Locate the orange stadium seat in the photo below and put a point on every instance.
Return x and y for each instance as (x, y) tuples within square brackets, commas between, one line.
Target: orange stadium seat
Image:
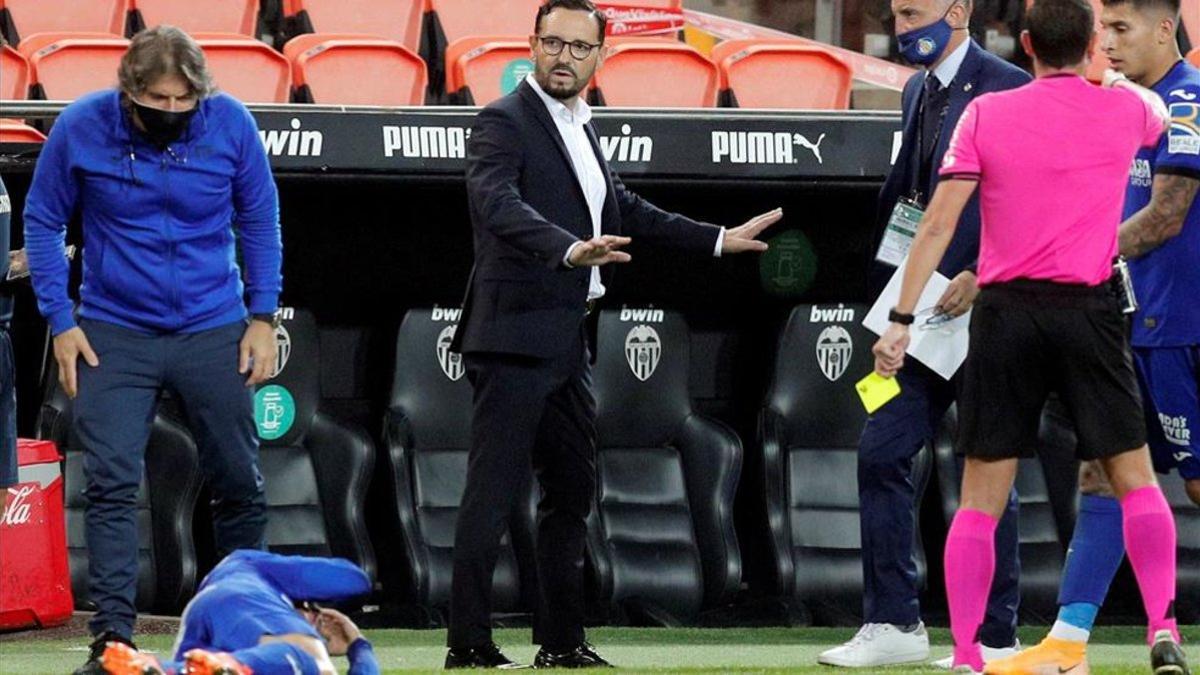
[(15, 131), (463, 18), (222, 16), (333, 68), (64, 66), (247, 69), (752, 73), (1194, 57), (480, 70), (398, 20), (14, 74), (656, 74), (60, 16)]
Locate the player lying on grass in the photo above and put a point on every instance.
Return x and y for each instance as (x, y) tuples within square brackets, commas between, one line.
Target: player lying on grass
[(254, 613)]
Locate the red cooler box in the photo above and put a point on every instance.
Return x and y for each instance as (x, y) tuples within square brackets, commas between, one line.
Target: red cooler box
[(35, 582)]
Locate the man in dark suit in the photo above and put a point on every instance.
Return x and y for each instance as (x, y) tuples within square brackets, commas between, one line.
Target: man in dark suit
[(933, 34), (548, 212)]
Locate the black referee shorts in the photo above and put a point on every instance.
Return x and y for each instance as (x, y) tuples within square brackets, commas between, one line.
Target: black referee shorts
[(1029, 338)]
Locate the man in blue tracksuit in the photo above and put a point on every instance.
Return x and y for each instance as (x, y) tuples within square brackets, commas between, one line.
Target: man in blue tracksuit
[(163, 171), (244, 619)]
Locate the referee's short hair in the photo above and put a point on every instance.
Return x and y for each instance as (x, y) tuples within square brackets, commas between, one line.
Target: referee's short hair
[(1060, 30), (1169, 6)]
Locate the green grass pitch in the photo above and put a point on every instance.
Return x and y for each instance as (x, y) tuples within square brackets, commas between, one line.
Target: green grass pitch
[(1114, 650)]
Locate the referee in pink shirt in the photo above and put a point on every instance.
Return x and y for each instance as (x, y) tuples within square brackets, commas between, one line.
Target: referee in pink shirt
[(1051, 160)]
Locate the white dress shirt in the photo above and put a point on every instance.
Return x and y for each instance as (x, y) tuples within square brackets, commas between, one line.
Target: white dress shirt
[(948, 68), (571, 127), (571, 123)]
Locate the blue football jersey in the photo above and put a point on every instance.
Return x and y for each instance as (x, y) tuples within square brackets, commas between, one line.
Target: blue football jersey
[(251, 593), (1167, 279)]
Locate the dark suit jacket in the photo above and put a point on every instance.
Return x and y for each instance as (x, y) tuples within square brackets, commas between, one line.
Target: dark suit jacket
[(527, 208), (980, 73)]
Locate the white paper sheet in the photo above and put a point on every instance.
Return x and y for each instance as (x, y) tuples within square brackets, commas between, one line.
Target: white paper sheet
[(942, 348)]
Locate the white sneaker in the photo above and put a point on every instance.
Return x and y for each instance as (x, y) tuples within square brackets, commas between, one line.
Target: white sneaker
[(989, 654), (879, 644)]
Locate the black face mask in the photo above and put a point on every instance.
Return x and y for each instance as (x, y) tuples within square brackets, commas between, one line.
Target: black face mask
[(163, 126)]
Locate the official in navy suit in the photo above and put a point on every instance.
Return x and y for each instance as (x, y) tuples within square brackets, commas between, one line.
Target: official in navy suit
[(933, 34), (548, 213)]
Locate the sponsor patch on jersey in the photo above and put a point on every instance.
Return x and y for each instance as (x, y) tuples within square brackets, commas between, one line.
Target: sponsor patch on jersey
[(1184, 136)]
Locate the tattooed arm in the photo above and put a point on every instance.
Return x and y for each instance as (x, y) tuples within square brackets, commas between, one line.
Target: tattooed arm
[(1162, 218)]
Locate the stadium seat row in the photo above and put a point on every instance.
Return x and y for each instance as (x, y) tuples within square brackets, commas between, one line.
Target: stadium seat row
[(59, 66), (424, 27), (398, 20), (350, 69), (662, 541)]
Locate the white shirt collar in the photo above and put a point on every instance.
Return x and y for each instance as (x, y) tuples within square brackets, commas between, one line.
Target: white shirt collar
[(948, 68), (581, 114)]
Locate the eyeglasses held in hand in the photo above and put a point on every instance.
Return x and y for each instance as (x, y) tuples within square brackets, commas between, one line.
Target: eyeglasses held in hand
[(935, 318)]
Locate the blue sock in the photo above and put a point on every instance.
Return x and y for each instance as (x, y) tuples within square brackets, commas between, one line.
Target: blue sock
[(1092, 561)]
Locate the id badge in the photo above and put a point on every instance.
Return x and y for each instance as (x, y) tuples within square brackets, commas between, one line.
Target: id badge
[(900, 232)]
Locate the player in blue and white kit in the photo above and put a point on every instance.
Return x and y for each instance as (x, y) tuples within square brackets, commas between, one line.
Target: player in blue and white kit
[(244, 619), (1160, 235)]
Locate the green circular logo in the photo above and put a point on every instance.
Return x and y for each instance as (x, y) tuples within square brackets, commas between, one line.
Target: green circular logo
[(789, 266), (514, 73), (274, 411)]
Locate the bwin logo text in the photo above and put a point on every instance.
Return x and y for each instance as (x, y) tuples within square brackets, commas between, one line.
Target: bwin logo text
[(292, 142), (627, 148)]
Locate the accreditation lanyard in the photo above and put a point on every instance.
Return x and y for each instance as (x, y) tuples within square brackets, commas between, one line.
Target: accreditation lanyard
[(907, 213)]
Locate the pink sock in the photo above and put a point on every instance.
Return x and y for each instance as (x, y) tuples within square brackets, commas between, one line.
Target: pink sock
[(970, 563), (1150, 542)]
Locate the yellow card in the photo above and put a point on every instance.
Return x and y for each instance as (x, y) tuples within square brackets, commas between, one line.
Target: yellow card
[(876, 391)]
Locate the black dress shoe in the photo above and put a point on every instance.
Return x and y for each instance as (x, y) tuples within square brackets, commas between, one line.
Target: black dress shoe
[(583, 656), (1166, 657), (487, 656), (96, 650)]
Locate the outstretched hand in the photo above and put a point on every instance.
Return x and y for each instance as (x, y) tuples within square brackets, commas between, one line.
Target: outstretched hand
[(601, 250), (745, 237)]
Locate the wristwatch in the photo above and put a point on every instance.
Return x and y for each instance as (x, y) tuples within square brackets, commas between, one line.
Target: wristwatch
[(274, 318), (900, 317)]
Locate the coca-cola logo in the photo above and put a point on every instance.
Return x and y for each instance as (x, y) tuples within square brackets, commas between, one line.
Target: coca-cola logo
[(18, 510)]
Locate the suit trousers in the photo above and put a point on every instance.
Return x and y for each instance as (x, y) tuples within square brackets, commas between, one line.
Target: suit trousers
[(528, 412), (890, 440)]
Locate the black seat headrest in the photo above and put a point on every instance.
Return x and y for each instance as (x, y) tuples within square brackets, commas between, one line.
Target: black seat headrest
[(823, 352), (429, 384), (285, 405), (641, 376)]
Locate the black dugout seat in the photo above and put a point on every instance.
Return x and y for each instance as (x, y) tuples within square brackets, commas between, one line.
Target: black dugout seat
[(809, 429), (1044, 505), (661, 539), (428, 432), (316, 470), (166, 501)]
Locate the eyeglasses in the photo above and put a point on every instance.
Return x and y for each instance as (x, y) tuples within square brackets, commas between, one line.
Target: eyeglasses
[(579, 50)]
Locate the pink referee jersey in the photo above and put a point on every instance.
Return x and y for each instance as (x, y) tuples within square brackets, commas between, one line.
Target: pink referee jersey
[(1052, 159)]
